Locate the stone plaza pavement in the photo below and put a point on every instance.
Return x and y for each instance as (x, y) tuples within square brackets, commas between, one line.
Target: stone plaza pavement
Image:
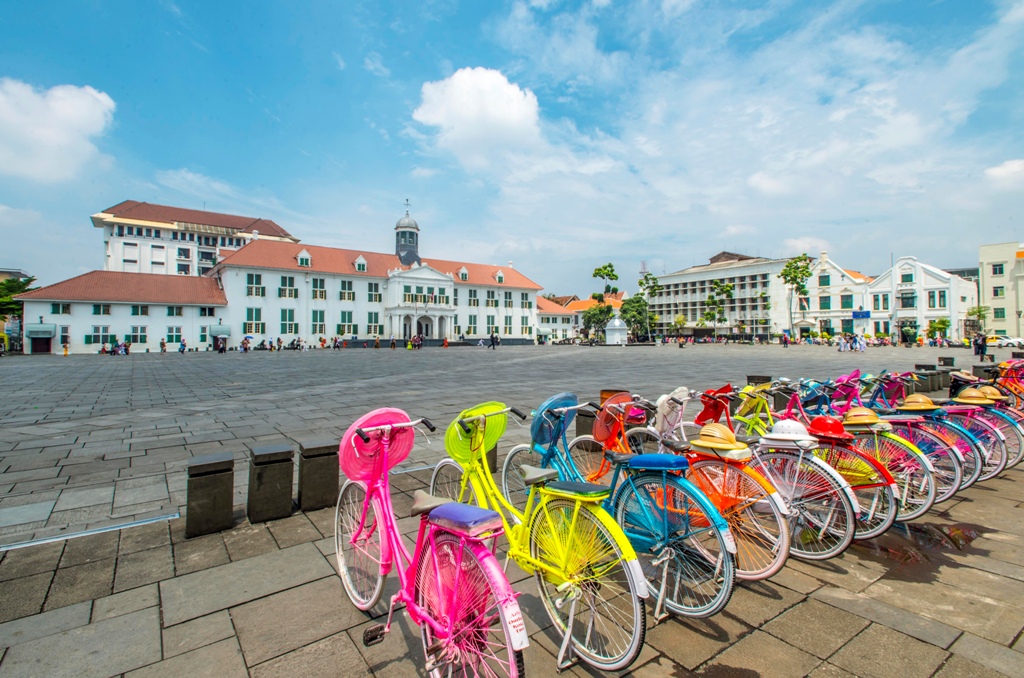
[(90, 442)]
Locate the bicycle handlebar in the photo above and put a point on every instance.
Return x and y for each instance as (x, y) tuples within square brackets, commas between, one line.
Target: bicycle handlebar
[(464, 423), (362, 432), (517, 413)]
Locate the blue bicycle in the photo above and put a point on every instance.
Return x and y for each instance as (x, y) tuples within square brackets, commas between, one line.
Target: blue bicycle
[(684, 545)]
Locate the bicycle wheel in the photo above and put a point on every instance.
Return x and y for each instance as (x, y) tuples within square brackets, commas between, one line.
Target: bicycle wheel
[(454, 585), (821, 518), (588, 456), (446, 481), (682, 553), (611, 620), (970, 451), (757, 524), (992, 445), (358, 551), (946, 465), (870, 484), (642, 441), (515, 490), (1012, 433), (915, 484)]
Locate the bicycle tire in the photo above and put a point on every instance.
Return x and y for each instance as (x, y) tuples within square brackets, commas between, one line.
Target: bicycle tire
[(970, 450), (642, 441), (588, 549), (822, 521), (587, 456), (472, 605), (915, 484), (1013, 432), (512, 486), (662, 513), (359, 565), (946, 465), (446, 481), (871, 485), (993, 447), (758, 525)]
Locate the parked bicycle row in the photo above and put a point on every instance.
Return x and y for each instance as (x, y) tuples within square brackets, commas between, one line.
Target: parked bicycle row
[(670, 500)]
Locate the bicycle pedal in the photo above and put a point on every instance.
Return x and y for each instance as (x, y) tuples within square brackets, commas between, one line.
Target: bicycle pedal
[(374, 635)]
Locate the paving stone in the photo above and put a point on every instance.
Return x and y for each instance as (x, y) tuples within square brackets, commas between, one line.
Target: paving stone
[(293, 530), (765, 656), (796, 581), (659, 667), (25, 513), (219, 660), (89, 549), (323, 520), (816, 628), (691, 642), (285, 621), (826, 670), (959, 667), (85, 496), (246, 541), (757, 602), (25, 596), (199, 554), (143, 567), (125, 602), (904, 656), (197, 633), (81, 583), (200, 593), (144, 537), (30, 560), (990, 655), (45, 624), (850, 572), (400, 655), (916, 626), (107, 648), (322, 658)]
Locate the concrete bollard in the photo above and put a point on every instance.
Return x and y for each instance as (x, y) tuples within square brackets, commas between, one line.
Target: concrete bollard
[(270, 482), (585, 422), (318, 474), (208, 494), (946, 361)]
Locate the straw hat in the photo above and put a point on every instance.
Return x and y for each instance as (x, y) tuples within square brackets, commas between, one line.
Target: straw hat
[(717, 437), (972, 396), (860, 416), (992, 393), (918, 402)]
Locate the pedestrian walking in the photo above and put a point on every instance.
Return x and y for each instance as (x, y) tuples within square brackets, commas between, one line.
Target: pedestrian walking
[(163, 346), (376, 342), (182, 346), (494, 341), (392, 342)]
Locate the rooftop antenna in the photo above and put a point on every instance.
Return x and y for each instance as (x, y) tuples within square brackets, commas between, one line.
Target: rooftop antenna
[(407, 206)]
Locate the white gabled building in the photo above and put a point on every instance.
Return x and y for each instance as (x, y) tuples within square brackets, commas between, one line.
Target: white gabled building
[(837, 301), (911, 294), (1001, 267), (556, 322)]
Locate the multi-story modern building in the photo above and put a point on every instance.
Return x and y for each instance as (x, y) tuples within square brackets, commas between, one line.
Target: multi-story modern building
[(836, 301), (141, 237), (999, 282), (911, 294), (758, 306)]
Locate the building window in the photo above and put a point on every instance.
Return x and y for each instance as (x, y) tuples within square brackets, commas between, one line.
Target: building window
[(508, 324), (373, 292), (907, 278), (997, 269), (455, 296), (347, 293), (184, 269), (346, 326), (254, 285), (880, 302), (140, 310), (254, 322), (508, 300), (175, 311), (473, 301), (319, 288), (824, 280), (174, 235), (206, 311), (318, 322), (471, 327), (999, 314), (287, 288), (525, 328), (203, 331), (463, 276), (805, 303), (524, 301), (288, 324), (120, 230), (101, 309), (100, 335), (138, 335), (491, 327), (998, 291), (847, 325), (184, 253), (173, 335), (824, 303), (60, 309), (931, 298), (942, 298), (491, 300), (908, 300), (500, 278), (373, 326), (846, 301), (65, 335), (304, 262)]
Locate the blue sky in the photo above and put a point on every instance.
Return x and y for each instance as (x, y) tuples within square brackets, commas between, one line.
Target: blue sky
[(558, 135)]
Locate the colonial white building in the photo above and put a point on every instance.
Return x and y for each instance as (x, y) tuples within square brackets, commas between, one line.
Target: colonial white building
[(759, 300), (140, 237), (555, 321), (1001, 269), (837, 302), (911, 294)]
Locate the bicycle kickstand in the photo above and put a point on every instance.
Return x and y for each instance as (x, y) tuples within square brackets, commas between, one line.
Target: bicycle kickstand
[(659, 610), (566, 657), (375, 634)]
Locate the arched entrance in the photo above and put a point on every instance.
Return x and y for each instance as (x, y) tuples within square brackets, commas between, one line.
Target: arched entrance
[(407, 327), (425, 327)]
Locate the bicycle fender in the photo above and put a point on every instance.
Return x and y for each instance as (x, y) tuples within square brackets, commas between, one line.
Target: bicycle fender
[(636, 571), (515, 626)]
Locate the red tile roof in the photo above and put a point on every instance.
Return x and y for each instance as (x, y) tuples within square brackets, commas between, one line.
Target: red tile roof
[(562, 301), (145, 288), (584, 304), (280, 255), (551, 307), (144, 211)]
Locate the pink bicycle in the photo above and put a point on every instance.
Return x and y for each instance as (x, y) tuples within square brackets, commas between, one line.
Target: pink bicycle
[(452, 586)]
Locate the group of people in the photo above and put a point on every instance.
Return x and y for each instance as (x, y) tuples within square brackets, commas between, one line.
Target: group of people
[(980, 345), (116, 348)]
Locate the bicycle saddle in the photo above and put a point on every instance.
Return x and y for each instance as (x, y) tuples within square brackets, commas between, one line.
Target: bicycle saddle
[(617, 457), (579, 489), (533, 475), (658, 462), (465, 519), (424, 503)]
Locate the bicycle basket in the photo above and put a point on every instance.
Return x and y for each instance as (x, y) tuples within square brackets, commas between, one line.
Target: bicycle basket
[(357, 458), (546, 427), (670, 413), (608, 418), (459, 443)]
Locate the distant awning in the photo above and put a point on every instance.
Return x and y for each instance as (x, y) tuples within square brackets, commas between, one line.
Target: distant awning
[(220, 331), (543, 331), (40, 331)]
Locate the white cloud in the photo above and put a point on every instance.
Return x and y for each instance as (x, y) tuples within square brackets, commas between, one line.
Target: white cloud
[(48, 135), (338, 61), (767, 184), (423, 172), (374, 63), (737, 230), (809, 244), (480, 116), (1009, 174)]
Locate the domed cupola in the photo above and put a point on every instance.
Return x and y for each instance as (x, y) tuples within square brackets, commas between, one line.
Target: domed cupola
[(407, 239)]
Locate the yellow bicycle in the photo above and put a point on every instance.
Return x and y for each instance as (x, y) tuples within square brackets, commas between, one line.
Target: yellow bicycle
[(590, 580)]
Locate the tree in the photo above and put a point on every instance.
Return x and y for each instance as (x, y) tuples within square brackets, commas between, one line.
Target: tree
[(795, 274), (650, 286), (607, 273), (10, 288), (597, 316), (714, 305), (678, 323), (980, 313), (635, 312), (938, 327)]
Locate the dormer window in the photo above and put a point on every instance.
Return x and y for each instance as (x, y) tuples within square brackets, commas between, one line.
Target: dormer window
[(463, 274), (304, 259), (361, 264), (500, 277)]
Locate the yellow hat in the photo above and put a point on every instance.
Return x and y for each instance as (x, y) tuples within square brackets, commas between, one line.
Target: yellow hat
[(860, 416), (972, 396), (918, 402), (992, 393), (718, 437)]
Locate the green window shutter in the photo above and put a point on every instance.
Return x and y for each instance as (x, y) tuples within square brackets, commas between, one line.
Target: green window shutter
[(142, 339), (88, 339), (355, 329)]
